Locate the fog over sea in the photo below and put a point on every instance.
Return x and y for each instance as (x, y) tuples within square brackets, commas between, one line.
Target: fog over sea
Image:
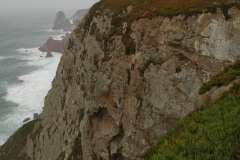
[(25, 73)]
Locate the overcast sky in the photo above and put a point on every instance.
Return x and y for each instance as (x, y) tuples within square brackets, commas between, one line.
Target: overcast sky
[(44, 5)]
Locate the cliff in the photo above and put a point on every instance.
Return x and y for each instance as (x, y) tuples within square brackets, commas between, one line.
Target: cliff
[(79, 15), (129, 72)]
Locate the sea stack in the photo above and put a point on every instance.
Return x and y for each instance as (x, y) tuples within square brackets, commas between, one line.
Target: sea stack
[(61, 22)]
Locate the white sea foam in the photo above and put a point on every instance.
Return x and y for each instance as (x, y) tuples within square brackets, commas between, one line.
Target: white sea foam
[(1, 58), (58, 37), (51, 30), (30, 94), (31, 54)]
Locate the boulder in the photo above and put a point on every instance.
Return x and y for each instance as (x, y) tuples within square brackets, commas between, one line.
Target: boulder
[(49, 54), (35, 116)]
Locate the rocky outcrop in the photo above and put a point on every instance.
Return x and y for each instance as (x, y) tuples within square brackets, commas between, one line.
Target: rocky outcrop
[(61, 22), (26, 120), (112, 98), (53, 45), (49, 54)]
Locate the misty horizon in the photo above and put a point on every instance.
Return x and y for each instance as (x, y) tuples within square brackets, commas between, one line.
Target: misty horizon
[(26, 6)]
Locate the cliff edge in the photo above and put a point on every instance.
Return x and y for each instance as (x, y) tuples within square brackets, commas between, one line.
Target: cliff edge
[(129, 72)]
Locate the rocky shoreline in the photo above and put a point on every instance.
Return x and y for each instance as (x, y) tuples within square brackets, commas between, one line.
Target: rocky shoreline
[(62, 23), (53, 45)]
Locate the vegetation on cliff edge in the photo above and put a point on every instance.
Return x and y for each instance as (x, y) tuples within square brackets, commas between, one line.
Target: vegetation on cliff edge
[(213, 133), (14, 148), (223, 78), (148, 9), (153, 8)]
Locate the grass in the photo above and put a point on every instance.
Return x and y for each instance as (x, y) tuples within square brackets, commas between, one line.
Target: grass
[(129, 76), (213, 133), (121, 130), (223, 78), (152, 8), (81, 115), (63, 102), (14, 148), (92, 13)]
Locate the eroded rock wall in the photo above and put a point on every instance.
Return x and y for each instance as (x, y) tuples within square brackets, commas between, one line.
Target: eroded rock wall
[(109, 104)]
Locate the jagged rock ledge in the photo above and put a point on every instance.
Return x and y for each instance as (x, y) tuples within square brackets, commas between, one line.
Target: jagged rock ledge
[(53, 45)]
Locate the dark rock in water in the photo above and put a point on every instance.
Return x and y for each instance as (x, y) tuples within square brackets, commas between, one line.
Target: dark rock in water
[(27, 119), (55, 45), (49, 54), (61, 22), (35, 116)]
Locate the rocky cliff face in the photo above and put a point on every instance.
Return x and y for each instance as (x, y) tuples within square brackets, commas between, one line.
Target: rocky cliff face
[(114, 97)]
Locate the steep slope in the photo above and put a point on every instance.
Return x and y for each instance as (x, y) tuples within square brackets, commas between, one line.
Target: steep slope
[(210, 133), (130, 71)]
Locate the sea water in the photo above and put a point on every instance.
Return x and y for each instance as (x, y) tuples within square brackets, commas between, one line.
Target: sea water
[(25, 73)]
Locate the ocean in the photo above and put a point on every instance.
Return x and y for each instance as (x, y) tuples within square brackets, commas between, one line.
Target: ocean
[(25, 73)]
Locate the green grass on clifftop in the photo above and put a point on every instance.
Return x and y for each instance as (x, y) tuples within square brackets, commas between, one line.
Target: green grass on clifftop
[(213, 133)]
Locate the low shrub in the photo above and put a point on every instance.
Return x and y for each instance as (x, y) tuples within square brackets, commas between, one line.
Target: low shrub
[(223, 78), (212, 133)]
